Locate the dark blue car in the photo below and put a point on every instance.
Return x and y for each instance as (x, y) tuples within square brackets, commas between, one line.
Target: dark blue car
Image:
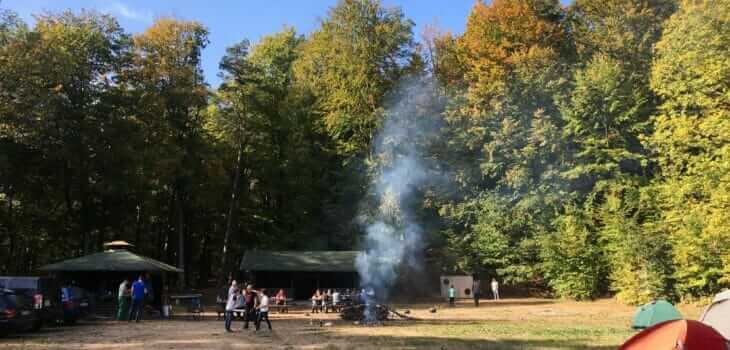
[(44, 293), (17, 312), (75, 303)]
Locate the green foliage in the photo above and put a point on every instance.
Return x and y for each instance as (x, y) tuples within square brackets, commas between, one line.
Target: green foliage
[(692, 143), (638, 255), (350, 64), (583, 149), (572, 260), (483, 240), (605, 117), (624, 30)]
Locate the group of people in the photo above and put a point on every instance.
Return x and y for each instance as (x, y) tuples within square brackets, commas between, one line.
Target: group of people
[(331, 300), (334, 299), (131, 298), (476, 291), (254, 303)]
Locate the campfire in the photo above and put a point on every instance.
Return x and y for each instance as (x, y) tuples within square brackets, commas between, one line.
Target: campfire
[(377, 314), (358, 313)]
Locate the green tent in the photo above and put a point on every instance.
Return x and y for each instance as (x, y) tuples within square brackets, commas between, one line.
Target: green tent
[(657, 311)]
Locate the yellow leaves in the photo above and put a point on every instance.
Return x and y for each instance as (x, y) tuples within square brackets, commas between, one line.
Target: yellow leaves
[(503, 37), (171, 48)]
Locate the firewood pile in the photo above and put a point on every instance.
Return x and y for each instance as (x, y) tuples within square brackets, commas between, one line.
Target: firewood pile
[(382, 312), (357, 313)]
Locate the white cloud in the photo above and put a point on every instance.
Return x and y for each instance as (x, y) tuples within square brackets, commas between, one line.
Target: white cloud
[(120, 9)]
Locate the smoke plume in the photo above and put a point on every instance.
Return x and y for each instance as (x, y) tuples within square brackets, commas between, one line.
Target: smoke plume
[(400, 172)]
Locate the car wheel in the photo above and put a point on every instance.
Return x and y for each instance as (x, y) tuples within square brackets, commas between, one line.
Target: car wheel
[(37, 326)]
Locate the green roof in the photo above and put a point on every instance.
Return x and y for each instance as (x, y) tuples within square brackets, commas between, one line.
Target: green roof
[(310, 261), (111, 260)]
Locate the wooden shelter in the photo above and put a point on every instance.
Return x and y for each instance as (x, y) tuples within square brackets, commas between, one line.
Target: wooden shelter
[(301, 272), (101, 273)]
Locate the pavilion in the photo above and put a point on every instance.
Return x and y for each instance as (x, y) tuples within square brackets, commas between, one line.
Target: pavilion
[(101, 273), (301, 272)]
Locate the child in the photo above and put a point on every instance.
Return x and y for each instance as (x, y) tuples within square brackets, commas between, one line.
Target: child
[(452, 295)]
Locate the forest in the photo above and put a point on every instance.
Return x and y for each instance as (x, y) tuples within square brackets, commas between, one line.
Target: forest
[(584, 151)]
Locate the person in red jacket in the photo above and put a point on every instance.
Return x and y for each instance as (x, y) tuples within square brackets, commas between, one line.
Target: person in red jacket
[(249, 299)]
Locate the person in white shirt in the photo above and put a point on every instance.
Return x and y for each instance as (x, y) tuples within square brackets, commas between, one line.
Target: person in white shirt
[(495, 289), (231, 305), (123, 298), (335, 300), (233, 288), (263, 309)]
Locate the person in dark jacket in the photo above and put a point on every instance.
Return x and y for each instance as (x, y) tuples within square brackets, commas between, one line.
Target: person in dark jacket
[(476, 291), (249, 298)]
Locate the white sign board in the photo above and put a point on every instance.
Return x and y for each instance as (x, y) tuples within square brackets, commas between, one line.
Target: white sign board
[(462, 284)]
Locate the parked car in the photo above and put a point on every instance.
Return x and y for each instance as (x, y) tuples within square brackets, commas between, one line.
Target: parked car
[(76, 303), (44, 292), (17, 312)]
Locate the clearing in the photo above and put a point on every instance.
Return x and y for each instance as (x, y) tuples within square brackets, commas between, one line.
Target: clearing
[(507, 324)]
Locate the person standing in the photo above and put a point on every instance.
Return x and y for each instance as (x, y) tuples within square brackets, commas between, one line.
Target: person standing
[(263, 309), (123, 300), (138, 294), (327, 298), (495, 289), (249, 298), (280, 300), (476, 291), (232, 289), (230, 305), (316, 301), (336, 302), (452, 296)]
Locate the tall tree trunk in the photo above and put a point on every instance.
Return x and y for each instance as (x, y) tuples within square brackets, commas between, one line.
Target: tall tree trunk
[(10, 265), (138, 224), (231, 222), (180, 228), (69, 217), (204, 262)]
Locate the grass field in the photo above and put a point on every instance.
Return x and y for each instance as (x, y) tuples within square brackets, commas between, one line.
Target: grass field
[(507, 324)]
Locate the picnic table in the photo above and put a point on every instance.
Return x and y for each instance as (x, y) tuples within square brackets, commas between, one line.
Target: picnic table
[(191, 302), (282, 308)]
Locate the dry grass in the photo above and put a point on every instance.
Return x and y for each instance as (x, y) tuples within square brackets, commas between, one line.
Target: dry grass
[(508, 324)]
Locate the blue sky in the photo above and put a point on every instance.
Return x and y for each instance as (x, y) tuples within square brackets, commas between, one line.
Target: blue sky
[(230, 21)]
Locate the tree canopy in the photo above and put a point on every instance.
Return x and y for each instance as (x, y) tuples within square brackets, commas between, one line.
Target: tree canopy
[(581, 150)]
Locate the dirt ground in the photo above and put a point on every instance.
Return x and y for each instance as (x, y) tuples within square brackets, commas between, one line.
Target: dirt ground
[(507, 324)]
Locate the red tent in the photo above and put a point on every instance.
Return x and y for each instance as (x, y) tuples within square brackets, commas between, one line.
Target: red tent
[(677, 335)]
